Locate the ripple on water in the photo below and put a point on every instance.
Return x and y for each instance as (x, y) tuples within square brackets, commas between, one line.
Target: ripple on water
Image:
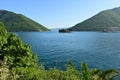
[(97, 49)]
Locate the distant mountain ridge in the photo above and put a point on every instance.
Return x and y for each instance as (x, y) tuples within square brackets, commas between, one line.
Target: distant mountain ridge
[(19, 22), (105, 20)]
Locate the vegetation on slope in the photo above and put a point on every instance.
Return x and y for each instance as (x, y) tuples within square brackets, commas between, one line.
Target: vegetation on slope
[(104, 20), (18, 62), (18, 22)]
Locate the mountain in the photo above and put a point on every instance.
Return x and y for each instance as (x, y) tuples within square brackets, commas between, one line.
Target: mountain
[(108, 20), (19, 22)]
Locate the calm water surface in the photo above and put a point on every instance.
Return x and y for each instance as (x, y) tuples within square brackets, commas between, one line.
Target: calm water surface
[(55, 49)]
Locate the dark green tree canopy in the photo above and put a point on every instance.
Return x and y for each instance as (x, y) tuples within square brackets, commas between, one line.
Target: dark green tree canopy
[(15, 51), (2, 29)]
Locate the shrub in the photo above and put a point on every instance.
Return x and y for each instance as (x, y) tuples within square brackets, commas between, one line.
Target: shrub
[(15, 51)]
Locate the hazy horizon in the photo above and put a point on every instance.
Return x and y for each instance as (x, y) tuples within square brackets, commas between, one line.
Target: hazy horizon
[(58, 14)]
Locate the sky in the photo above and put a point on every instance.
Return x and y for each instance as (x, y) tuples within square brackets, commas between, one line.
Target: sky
[(58, 13)]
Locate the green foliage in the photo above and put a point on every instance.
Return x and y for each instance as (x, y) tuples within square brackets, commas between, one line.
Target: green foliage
[(2, 30), (100, 22), (85, 72), (15, 51), (4, 71), (71, 73), (18, 22)]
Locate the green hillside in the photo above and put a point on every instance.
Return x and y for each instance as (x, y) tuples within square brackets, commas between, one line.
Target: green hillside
[(105, 20), (18, 22)]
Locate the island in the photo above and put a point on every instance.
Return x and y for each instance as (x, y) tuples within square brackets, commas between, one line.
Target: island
[(64, 31)]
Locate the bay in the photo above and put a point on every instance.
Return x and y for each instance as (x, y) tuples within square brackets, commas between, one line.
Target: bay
[(97, 49)]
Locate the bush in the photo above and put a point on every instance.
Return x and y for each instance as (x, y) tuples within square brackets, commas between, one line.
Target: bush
[(15, 51)]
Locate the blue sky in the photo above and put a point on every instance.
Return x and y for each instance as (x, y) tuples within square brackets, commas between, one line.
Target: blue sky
[(58, 13)]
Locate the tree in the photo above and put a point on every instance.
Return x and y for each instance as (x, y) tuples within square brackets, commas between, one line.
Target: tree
[(85, 71), (15, 51)]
